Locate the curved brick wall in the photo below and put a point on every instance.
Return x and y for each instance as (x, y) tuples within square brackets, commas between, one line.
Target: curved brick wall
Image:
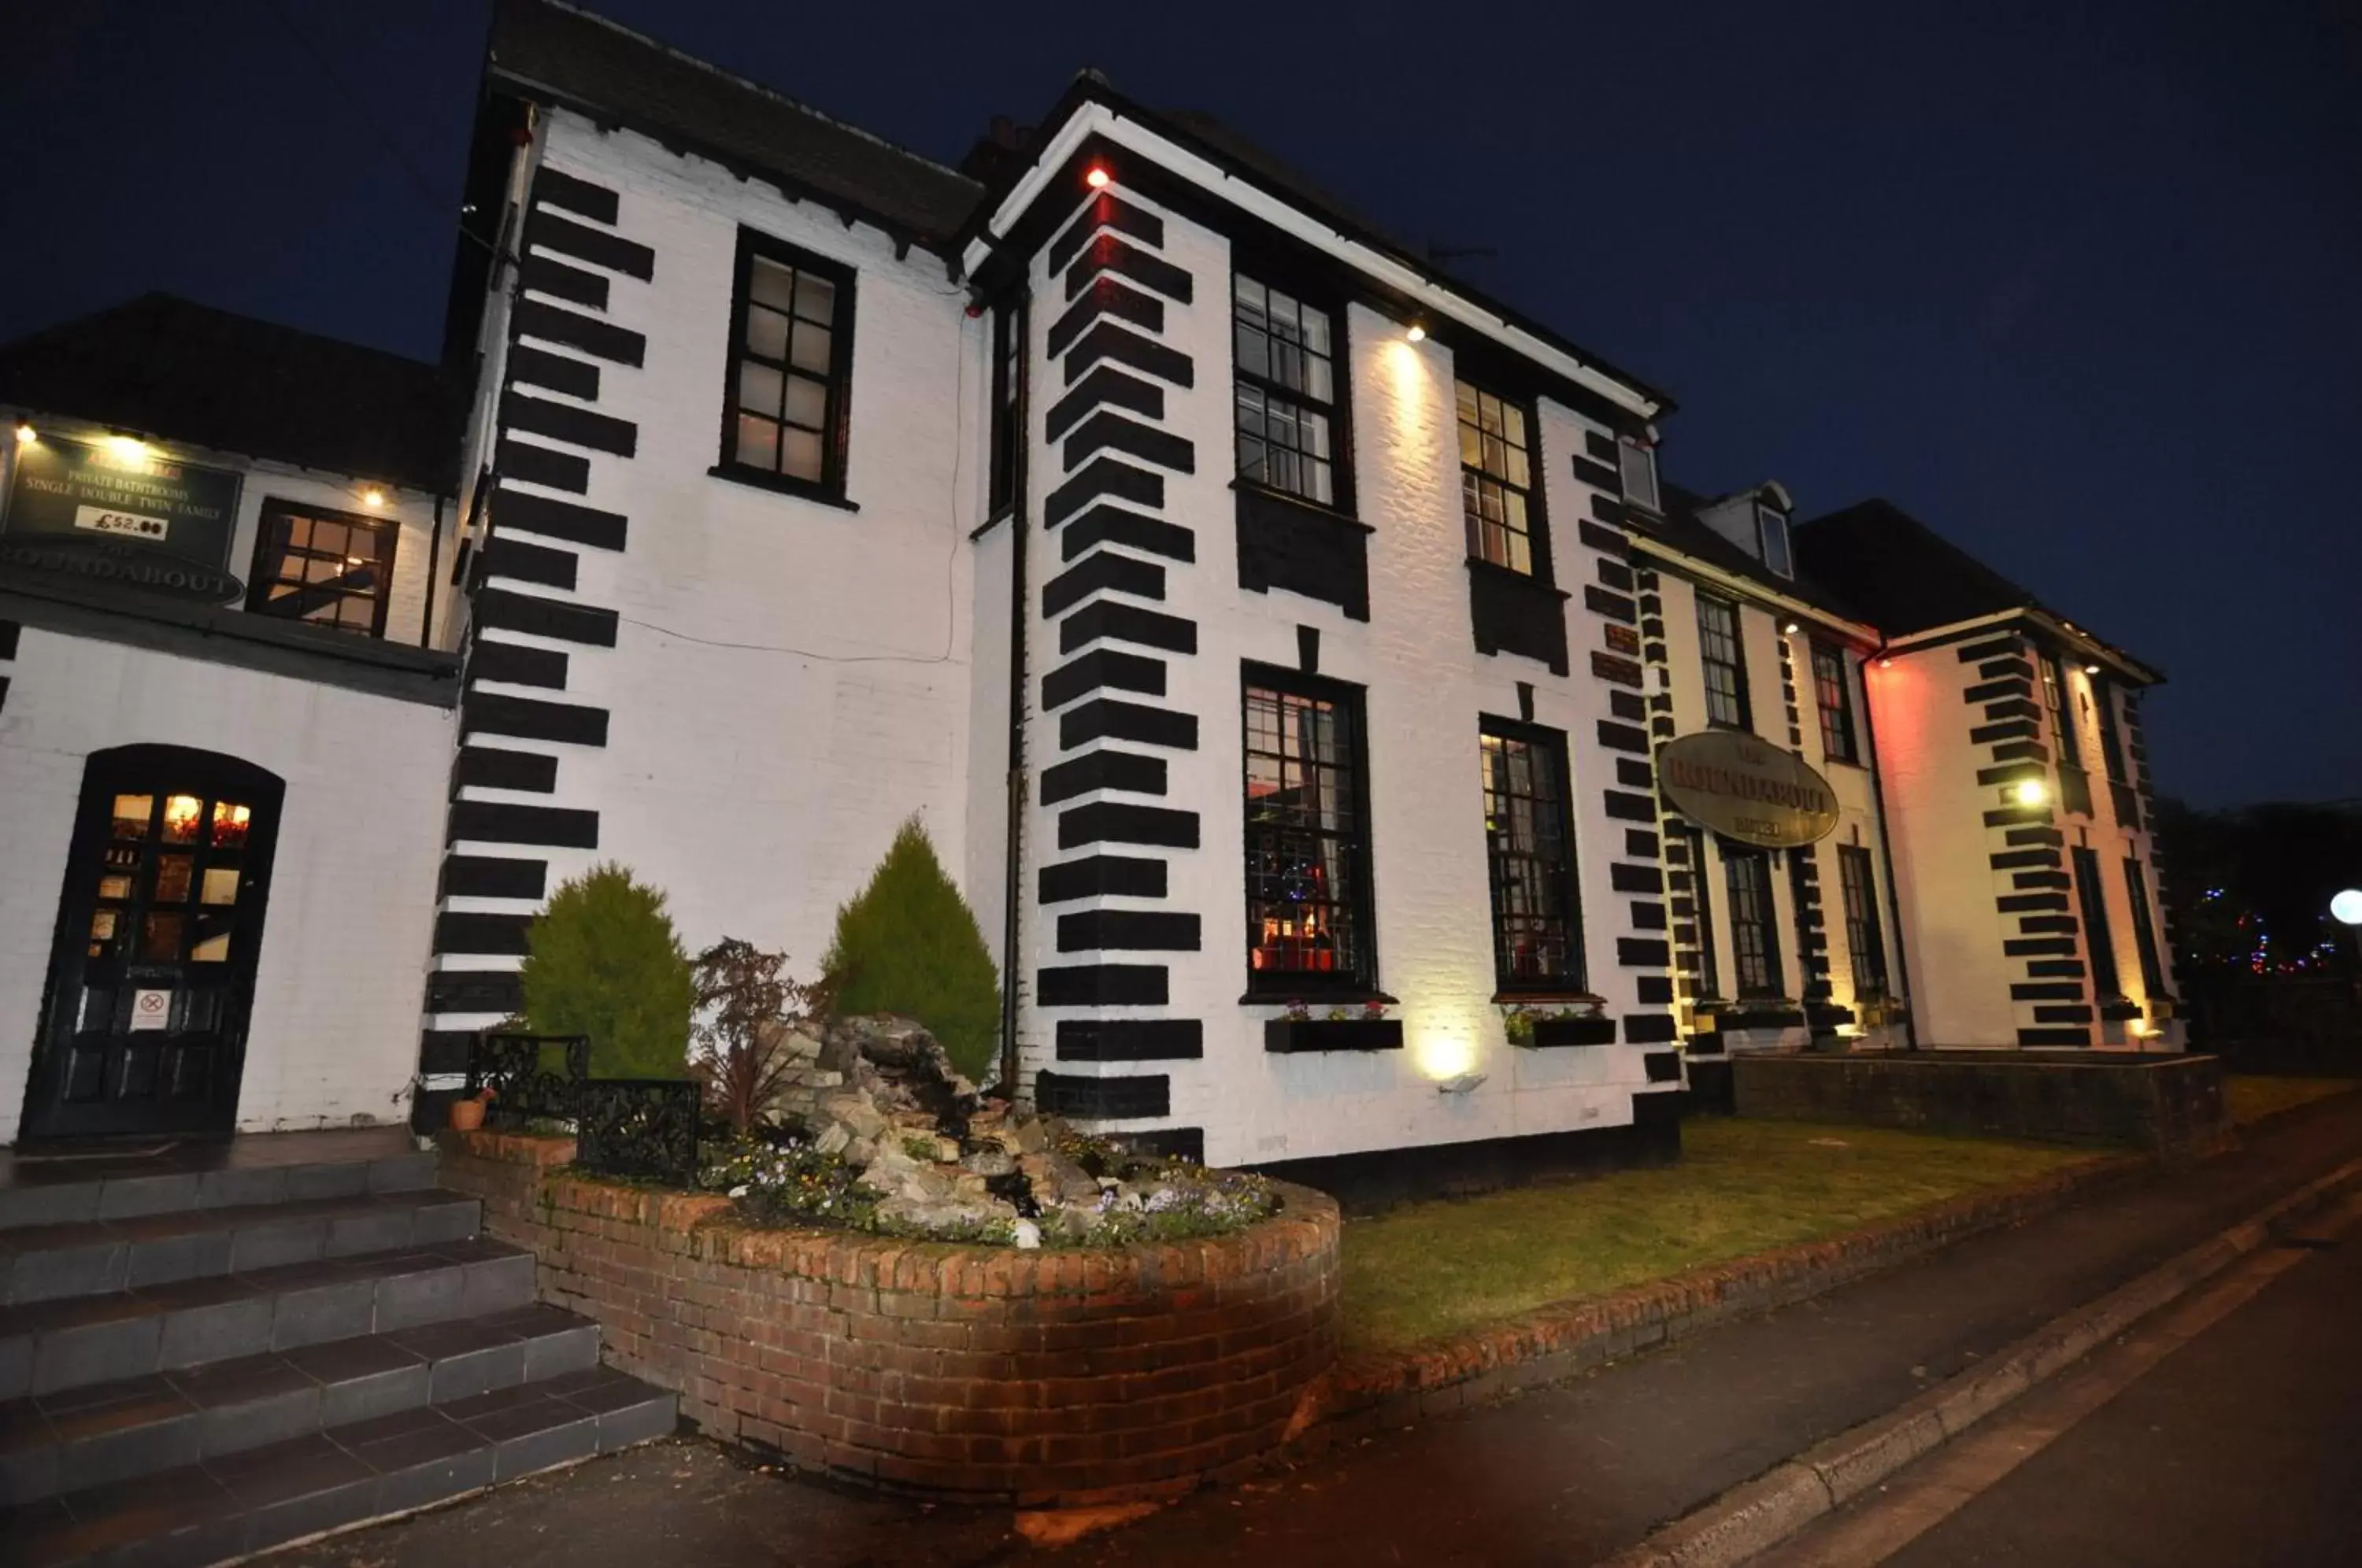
[(1042, 1378)]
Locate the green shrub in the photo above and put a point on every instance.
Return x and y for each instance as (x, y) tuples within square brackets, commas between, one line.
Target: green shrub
[(909, 944), (606, 961)]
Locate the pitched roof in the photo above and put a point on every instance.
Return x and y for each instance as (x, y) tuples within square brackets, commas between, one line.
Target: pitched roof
[(554, 52), (1681, 530), (165, 367)]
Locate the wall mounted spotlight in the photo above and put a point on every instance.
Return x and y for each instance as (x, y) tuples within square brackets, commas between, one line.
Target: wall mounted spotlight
[(1459, 1083), (1415, 332), (1097, 178)]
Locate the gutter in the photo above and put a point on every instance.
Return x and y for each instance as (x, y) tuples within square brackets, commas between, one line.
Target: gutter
[(1013, 869)]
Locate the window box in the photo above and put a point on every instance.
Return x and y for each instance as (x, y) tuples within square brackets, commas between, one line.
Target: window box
[(1290, 1036), (1512, 612), (1762, 1015), (1304, 548), (1553, 1031)]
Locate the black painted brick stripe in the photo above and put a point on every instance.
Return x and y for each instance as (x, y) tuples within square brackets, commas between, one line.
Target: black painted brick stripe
[(1999, 648), (2010, 859), (1631, 808), (2049, 835), (1599, 475), (1105, 385), (2047, 991), (2008, 815), (1638, 953), (564, 422), (518, 665), (1122, 481), (1114, 822), (2010, 773), (1999, 668), (2062, 1015), (499, 822), (601, 339), (1615, 575), (2027, 903), (1105, 718), (1607, 539), (542, 465), (1099, 876), (529, 366), (555, 187), (1652, 1028), (1654, 990), (1134, 1097), (532, 613), (2049, 925), (2029, 947), (1128, 770), (473, 990), (459, 931), (1628, 878), (2055, 968), (1104, 299), (2011, 729), (1107, 431), (1130, 931), (1108, 570), (490, 767), (1994, 691), (548, 231), (1126, 623), (2015, 708), (9, 631), (1105, 210), (1130, 1039), (2054, 1037), (1622, 737), (1599, 448), (558, 519), (547, 275), (1640, 843), (1628, 706), (531, 718), (1108, 253), (1102, 985), (1608, 509), (1616, 606), (1636, 773), (1102, 668), (1107, 341), (1116, 525), (444, 1050), (493, 876), (1647, 916), (2022, 751), (529, 563)]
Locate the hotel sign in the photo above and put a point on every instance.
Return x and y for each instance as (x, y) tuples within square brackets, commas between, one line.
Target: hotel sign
[(134, 519), (1745, 788)]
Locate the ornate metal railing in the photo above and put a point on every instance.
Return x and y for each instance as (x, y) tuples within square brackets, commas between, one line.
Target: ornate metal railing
[(531, 1077), (644, 1128)]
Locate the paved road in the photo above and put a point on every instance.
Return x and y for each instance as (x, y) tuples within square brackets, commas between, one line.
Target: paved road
[(1563, 1476)]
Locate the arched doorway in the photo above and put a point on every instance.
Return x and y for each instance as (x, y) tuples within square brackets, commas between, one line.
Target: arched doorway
[(151, 972)]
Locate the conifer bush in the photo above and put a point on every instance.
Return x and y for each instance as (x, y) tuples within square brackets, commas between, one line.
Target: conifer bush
[(909, 944), (604, 961)]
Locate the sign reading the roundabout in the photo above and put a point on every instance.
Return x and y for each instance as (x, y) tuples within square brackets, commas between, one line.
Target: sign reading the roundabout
[(1745, 788), (132, 518)]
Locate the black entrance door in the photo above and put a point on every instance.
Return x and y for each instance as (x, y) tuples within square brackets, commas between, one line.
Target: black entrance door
[(152, 975)]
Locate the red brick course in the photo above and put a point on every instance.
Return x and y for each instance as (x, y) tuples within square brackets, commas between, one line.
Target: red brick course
[(1042, 1378)]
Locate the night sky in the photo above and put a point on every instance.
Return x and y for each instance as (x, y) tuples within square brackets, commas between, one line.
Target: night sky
[(2079, 285)]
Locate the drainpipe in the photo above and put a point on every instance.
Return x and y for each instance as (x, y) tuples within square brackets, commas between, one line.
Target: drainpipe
[(1012, 873), (434, 548), (1886, 861)]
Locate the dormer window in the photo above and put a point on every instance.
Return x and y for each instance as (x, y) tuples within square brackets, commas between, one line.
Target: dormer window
[(1641, 475), (1771, 528)]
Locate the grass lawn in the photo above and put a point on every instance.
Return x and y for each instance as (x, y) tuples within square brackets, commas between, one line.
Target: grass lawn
[(1429, 1269), (2251, 1099)]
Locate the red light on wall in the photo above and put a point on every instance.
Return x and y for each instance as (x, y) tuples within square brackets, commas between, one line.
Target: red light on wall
[(1097, 179)]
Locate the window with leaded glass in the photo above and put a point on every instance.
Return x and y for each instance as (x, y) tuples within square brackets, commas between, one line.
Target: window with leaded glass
[(2099, 942), (2144, 929), (1754, 925), (329, 569), (1536, 929), (1307, 848), (791, 354), (1702, 897), (1285, 395), (1007, 404), (1497, 478), (1833, 694), (1864, 939), (1724, 662), (2111, 742), (2074, 788)]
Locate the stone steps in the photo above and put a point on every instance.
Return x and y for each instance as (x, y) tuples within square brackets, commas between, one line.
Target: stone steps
[(79, 1191)]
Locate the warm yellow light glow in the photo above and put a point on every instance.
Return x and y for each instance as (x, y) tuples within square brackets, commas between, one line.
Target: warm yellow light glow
[(1416, 333), (2030, 792), (2091, 669), (373, 498), (26, 434), (1097, 179), (1442, 1056), (1790, 628), (127, 448)]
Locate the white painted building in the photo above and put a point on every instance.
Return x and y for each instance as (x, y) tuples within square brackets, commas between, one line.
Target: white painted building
[(1277, 637)]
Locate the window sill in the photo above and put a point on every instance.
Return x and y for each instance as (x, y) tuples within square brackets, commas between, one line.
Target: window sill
[(1345, 995), (1560, 998), (755, 478), (1304, 504), (1480, 566)]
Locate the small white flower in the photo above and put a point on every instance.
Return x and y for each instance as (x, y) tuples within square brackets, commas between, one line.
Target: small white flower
[(740, 1190), (1026, 1235)]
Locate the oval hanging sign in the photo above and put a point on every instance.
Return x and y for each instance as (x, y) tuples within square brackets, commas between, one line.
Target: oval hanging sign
[(1745, 788)]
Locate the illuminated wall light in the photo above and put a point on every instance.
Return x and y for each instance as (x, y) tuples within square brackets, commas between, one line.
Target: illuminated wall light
[(26, 434), (1097, 178), (1885, 663), (129, 448), (1791, 629), (1415, 332), (2030, 792), (2091, 669), (373, 498)]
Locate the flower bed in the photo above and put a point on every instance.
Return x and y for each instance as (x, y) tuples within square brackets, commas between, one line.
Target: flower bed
[(1058, 1376)]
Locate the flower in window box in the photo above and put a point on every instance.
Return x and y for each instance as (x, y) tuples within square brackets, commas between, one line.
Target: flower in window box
[(1583, 1004), (1374, 1010), (1517, 1023), (1339, 1015), (1298, 1012)]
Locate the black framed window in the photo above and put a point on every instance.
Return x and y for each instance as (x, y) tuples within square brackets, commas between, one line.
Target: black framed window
[(2112, 743), (1530, 842), (1288, 412), (2144, 929), (1497, 480), (329, 569), (1864, 940), (1702, 892), (1640, 474), (1725, 662), (2099, 943), (1307, 846), (1833, 693), (1754, 923), (791, 363), (2074, 788), (1007, 404)]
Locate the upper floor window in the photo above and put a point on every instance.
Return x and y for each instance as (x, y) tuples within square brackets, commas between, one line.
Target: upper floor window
[(1007, 404), (1286, 394), (1834, 695), (1308, 841), (1725, 663), (1640, 474), (791, 357), (331, 568), (1537, 936), (2111, 742), (1772, 527), (1495, 478)]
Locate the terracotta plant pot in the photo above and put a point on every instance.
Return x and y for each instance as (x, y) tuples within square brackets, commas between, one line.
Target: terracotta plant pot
[(467, 1115)]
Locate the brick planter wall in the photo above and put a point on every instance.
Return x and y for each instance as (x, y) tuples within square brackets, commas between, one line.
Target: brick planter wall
[(1042, 1378)]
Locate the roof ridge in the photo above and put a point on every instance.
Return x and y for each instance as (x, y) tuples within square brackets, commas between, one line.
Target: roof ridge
[(165, 297)]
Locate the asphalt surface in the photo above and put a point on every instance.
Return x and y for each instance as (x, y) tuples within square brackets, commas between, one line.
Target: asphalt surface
[(1563, 1476)]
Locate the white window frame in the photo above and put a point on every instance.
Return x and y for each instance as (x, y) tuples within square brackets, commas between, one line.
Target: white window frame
[(1769, 521), (1643, 459)]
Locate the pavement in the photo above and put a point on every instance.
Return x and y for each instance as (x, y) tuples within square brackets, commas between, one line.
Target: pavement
[(1566, 1475)]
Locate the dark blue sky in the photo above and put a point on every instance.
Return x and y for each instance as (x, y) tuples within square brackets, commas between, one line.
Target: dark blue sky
[(2081, 285)]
